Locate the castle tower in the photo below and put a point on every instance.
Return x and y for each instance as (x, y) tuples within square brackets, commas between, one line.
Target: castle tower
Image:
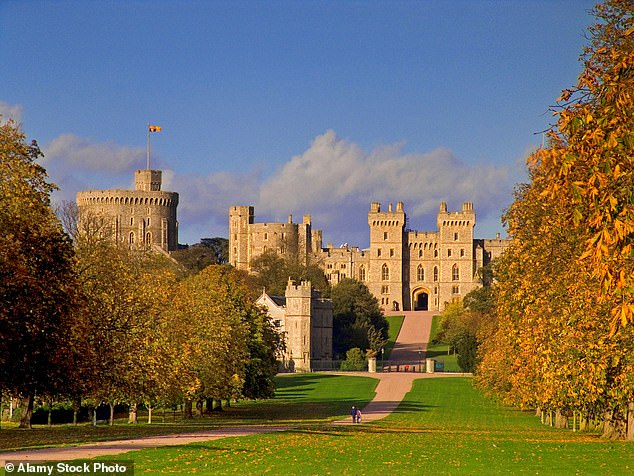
[(240, 217), (145, 216), (298, 307), (385, 274), (456, 252)]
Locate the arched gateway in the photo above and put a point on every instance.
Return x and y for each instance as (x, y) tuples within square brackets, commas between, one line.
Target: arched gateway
[(420, 299)]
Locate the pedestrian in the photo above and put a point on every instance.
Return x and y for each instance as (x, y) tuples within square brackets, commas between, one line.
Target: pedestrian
[(353, 413), (358, 416)]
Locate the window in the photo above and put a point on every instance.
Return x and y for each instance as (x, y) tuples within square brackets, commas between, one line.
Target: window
[(385, 290), (131, 237), (131, 221), (266, 236), (462, 252), (385, 235), (391, 251), (148, 221), (420, 253), (362, 273), (420, 273), (385, 272), (455, 236), (455, 290), (343, 266), (449, 253), (329, 266), (455, 273), (378, 252), (148, 238), (435, 273), (435, 253)]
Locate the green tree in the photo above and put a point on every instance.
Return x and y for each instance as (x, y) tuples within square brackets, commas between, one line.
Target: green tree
[(356, 313), (273, 271), (36, 276)]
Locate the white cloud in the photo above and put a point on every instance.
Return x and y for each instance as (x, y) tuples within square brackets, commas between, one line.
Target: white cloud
[(335, 181), (79, 153), (9, 111)]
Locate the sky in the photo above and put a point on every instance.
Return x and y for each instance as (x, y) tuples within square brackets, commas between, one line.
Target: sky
[(294, 107)]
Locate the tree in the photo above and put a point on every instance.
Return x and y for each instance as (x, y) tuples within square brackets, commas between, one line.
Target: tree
[(273, 271), (355, 313), (197, 257), (562, 341), (36, 275)]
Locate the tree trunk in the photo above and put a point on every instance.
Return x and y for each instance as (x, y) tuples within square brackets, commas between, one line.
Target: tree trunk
[(209, 405), (629, 435), (111, 414), (199, 407), (149, 414), (49, 420), (561, 420), (25, 421), (188, 413), (76, 408), (133, 414)]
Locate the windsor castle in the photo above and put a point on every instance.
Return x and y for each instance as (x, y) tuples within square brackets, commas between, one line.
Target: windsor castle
[(404, 269)]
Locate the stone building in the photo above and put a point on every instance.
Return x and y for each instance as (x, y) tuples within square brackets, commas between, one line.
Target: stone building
[(404, 269), (145, 216), (305, 318)]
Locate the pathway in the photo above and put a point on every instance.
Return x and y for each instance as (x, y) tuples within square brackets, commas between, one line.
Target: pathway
[(392, 387)]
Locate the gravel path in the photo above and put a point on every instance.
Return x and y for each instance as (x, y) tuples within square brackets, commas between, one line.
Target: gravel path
[(392, 387)]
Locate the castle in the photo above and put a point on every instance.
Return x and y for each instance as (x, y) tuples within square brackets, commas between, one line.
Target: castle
[(404, 269), (145, 216), (305, 318)]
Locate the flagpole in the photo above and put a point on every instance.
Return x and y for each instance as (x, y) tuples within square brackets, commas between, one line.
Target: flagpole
[(148, 146)]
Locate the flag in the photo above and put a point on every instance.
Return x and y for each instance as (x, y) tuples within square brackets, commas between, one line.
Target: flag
[(154, 128)]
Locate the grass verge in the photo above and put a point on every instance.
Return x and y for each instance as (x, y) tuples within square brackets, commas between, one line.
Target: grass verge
[(440, 352)]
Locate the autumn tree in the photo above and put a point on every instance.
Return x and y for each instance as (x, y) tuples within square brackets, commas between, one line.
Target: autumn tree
[(563, 337), (36, 275)]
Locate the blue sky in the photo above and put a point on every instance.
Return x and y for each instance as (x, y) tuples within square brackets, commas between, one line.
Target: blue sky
[(296, 107)]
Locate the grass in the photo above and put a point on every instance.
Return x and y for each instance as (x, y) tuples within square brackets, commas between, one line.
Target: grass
[(302, 399), (394, 327), (440, 352), (443, 427)]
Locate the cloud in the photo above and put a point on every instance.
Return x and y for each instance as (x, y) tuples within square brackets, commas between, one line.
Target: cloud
[(79, 153), (204, 200), (8, 111), (335, 180)]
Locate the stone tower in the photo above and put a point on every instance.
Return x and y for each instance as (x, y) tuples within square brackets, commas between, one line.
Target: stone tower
[(308, 326), (456, 251), (240, 218), (145, 216), (385, 273)]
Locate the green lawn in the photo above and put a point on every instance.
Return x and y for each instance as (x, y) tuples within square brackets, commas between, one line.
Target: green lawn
[(440, 352), (395, 323), (443, 427), (301, 399)]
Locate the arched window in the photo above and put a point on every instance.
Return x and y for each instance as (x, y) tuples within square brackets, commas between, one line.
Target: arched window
[(435, 273), (131, 237), (420, 273), (455, 273), (385, 272), (148, 238), (362, 273)]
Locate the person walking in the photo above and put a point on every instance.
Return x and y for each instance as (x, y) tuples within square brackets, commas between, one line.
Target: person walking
[(358, 415), (353, 413)]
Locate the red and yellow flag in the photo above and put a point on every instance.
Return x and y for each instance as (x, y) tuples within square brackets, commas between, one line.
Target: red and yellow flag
[(154, 128)]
